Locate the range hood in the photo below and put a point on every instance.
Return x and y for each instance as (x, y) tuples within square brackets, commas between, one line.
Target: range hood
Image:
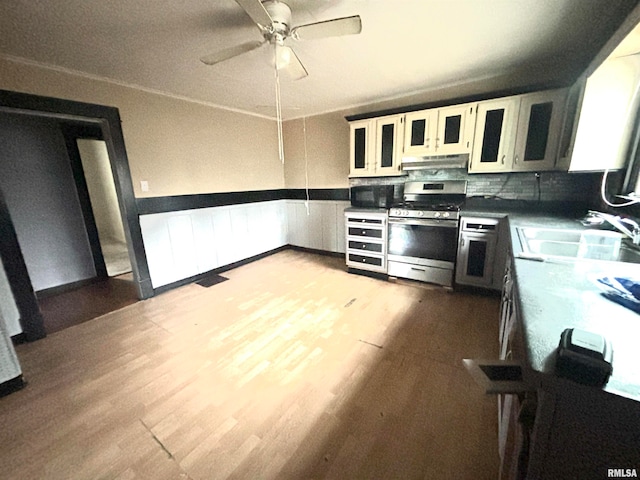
[(435, 163)]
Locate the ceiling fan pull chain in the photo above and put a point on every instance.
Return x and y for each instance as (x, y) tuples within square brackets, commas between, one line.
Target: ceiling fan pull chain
[(279, 116)]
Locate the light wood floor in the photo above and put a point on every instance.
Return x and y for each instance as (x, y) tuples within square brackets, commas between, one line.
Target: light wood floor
[(292, 369)]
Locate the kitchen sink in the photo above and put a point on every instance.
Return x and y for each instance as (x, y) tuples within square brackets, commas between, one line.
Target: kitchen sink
[(578, 244)]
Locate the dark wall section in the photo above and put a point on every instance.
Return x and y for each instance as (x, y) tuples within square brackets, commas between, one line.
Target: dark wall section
[(38, 186), (188, 202)]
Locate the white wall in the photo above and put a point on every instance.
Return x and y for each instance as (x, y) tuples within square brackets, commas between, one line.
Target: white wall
[(183, 244), (102, 190), (9, 314)]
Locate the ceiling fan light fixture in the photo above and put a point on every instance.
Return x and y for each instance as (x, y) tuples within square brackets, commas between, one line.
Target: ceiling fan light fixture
[(282, 56)]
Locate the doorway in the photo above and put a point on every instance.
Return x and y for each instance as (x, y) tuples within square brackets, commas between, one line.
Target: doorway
[(106, 121)]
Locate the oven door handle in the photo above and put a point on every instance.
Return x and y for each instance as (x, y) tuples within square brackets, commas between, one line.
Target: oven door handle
[(424, 222)]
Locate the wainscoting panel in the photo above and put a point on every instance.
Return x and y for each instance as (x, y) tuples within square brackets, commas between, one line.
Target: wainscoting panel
[(185, 243)]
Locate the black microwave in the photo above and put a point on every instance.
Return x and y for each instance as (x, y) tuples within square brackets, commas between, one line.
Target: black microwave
[(376, 196)]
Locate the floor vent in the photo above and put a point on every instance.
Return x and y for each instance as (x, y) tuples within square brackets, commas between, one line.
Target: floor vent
[(211, 280)]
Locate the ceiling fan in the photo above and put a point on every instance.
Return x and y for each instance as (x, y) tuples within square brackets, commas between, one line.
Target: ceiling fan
[(273, 19)]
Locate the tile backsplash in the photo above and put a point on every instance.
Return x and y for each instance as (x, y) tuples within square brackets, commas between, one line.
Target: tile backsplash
[(542, 186)]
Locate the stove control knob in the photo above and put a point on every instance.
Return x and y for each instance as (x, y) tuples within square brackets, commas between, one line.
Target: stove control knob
[(445, 214), (405, 213), (437, 214), (420, 213)]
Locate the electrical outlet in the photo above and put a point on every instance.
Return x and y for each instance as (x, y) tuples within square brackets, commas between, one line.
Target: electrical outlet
[(144, 185)]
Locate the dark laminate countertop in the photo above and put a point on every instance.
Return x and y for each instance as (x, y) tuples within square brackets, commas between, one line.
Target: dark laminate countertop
[(558, 294)]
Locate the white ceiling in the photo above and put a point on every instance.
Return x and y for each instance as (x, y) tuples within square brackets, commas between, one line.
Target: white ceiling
[(406, 48)]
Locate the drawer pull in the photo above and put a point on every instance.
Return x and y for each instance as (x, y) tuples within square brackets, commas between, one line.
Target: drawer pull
[(418, 269)]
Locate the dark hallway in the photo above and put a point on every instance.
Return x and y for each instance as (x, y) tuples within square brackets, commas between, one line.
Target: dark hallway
[(69, 308)]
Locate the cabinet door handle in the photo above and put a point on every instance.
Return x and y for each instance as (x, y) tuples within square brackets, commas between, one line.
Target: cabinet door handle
[(502, 160), (515, 159)]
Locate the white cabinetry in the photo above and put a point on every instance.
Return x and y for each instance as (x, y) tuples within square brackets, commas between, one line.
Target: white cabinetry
[(519, 133), (321, 229), (539, 126), (476, 251), (376, 146), (607, 112), (366, 240), (440, 131), (494, 140)]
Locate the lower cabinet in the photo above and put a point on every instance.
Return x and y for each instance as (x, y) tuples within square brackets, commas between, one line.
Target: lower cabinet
[(366, 240), (477, 251), (320, 226)]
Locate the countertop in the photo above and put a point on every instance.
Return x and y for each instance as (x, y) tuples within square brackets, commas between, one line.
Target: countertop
[(557, 294)]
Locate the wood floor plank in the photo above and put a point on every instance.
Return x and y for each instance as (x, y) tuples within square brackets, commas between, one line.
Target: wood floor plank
[(293, 368)]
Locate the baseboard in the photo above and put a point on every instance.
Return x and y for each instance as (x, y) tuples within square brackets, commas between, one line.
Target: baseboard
[(316, 251), (48, 292), (239, 263), (367, 273), (12, 385), (225, 268)]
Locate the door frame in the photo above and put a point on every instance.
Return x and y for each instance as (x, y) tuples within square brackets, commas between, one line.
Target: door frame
[(109, 122)]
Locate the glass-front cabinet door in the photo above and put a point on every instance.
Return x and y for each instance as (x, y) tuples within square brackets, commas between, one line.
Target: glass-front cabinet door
[(476, 253), (388, 145), (453, 136), (361, 153), (539, 126), (494, 141), (420, 133)]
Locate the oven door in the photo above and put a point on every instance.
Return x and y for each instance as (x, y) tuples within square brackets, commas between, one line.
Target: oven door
[(429, 242)]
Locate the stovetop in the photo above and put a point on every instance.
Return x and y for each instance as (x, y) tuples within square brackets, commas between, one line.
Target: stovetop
[(450, 210)]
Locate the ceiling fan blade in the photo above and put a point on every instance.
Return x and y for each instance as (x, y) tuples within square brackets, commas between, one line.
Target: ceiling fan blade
[(328, 28), (257, 12), (289, 63), (228, 53)]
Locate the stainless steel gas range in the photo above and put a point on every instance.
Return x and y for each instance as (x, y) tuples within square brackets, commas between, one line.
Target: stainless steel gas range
[(423, 231)]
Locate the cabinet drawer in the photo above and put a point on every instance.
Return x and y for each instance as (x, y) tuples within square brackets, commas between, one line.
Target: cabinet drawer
[(498, 376), (365, 232), (367, 221), (441, 276), (368, 246), (364, 259)]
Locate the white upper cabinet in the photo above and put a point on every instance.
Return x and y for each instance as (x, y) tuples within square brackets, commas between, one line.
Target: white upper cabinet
[(605, 122), (494, 141), (519, 133), (420, 132), (376, 146), (539, 127), (361, 148), (388, 145), (439, 131)]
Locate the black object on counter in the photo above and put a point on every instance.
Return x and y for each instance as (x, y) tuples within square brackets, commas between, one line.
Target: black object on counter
[(584, 357)]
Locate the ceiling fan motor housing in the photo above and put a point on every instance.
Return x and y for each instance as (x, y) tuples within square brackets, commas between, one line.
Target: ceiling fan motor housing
[(280, 13)]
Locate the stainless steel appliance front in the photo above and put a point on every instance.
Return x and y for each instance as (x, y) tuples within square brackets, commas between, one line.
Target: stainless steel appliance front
[(422, 249), (423, 232)]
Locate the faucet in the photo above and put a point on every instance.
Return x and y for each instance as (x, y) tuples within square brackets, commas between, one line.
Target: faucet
[(631, 229)]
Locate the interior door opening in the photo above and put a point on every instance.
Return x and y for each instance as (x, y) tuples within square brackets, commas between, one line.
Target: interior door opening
[(104, 204)]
